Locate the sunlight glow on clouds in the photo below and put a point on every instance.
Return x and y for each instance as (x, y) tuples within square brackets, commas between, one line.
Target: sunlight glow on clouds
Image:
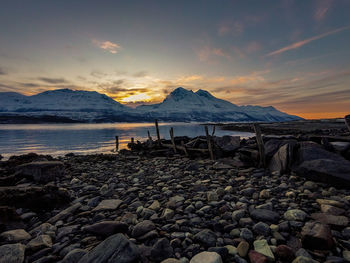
[(107, 45)]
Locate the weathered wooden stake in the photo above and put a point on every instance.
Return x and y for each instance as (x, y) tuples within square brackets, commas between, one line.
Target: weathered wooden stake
[(172, 138), (210, 149), (157, 129), (116, 143), (212, 134), (261, 147), (132, 140), (347, 121), (150, 139), (184, 148)]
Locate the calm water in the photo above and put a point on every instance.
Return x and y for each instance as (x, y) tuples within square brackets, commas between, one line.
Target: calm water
[(59, 139)]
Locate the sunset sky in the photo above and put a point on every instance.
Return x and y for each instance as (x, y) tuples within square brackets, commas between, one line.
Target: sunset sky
[(294, 55)]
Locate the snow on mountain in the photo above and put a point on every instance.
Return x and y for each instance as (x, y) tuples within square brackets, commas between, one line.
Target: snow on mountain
[(202, 106), (179, 105)]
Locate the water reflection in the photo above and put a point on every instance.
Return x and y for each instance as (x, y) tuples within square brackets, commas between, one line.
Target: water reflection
[(59, 139)]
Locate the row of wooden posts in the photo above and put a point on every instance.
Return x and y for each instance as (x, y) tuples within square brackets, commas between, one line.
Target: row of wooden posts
[(185, 148)]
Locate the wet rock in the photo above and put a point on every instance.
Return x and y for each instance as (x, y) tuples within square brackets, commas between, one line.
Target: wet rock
[(262, 247), (222, 251), (316, 235), (171, 260), (143, 228), (302, 259), (227, 143), (295, 215), (329, 202), (206, 237), (332, 210), (107, 228), (206, 257), (265, 215), (42, 172), (12, 253), (282, 159), (109, 204), (116, 248), (161, 250), (246, 234), (261, 229), (14, 236), (155, 205)]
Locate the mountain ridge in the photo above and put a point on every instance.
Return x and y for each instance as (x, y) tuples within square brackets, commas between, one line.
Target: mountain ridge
[(90, 106)]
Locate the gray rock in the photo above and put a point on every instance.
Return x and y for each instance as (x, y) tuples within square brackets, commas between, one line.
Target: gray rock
[(282, 160), (206, 237), (246, 234), (40, 242), (42, 172), (109, 204), (227, 143), (295, 215), (64, 214), (262, 229), (143, 228), (12, 253), (265, 215), (116, 248), (73, 256), (316, 235), (161, 250), (206, 257), (14, 236)]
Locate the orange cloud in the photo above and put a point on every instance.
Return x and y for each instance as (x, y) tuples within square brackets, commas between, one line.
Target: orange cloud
[(322, 9), (306, 41), (107, 45)]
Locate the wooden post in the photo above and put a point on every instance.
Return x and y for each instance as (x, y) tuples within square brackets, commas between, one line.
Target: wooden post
[(157, 129), (132, 140), (150, 139), (184, 147), (212, 134), (172, 138), (210, 149), (260, 143), (347, 121), (116, 143)]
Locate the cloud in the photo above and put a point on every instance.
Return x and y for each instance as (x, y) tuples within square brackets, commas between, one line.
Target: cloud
[(306, 41), (140, 74), (53, 80), (2, 72), (206, 53), (189, 78), (234, 28), (107, 45), (252, 47), (322, 9)]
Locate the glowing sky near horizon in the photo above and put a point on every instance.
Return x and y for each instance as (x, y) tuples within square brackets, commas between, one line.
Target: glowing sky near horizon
[(293, 55)]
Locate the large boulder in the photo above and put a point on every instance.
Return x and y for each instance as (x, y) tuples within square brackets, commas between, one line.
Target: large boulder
[(12, 253), (227, 143), (116, 248), (318, 164), (316, 235), (273, 145), (282, 160), (42, 172)]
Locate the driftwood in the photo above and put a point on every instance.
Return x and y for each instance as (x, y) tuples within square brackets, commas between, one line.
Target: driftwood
[(157, 130), (347, 121), (172, 138), (210, 148), (260, 143), (116, 143)]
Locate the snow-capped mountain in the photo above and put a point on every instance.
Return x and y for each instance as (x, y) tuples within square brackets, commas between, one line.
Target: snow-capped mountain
[(202, 106), (91, 106)]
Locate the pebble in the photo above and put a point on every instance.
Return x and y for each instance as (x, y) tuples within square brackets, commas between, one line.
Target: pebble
[(206, 257)]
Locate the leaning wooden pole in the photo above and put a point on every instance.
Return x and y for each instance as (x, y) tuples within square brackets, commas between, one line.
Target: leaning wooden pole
[(171, 131), (184, 148), (347, 121), (260, 143), (116, 143), (157, 130), (210, 148)]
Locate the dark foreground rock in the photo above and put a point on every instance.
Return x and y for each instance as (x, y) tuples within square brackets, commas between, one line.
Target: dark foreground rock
[(116, 248)]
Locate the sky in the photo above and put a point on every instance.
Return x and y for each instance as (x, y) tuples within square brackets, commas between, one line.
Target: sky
[(293, 55)]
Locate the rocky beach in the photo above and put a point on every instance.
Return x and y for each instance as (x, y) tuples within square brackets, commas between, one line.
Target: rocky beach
[(136, 206)]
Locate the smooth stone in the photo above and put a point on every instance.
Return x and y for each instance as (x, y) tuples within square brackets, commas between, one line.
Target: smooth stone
[(246, 234), (330, 202), (338, 221), (12, 253), (263, 247), (14, 236), (256, 257), (64, 213), (242, 248), (109, 204), (332, 210), (143, 228), (155, 205), (212, 196), (265, 215), (168, 213), (206, 257), (206, 237), (116, 248), (43, 171), (161, 250), (231, 250), (295, 215), (171, 260), (284, 253), (40, 242), (261, 229)]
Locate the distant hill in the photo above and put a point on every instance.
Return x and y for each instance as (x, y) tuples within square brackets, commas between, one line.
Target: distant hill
[(91, 106)]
